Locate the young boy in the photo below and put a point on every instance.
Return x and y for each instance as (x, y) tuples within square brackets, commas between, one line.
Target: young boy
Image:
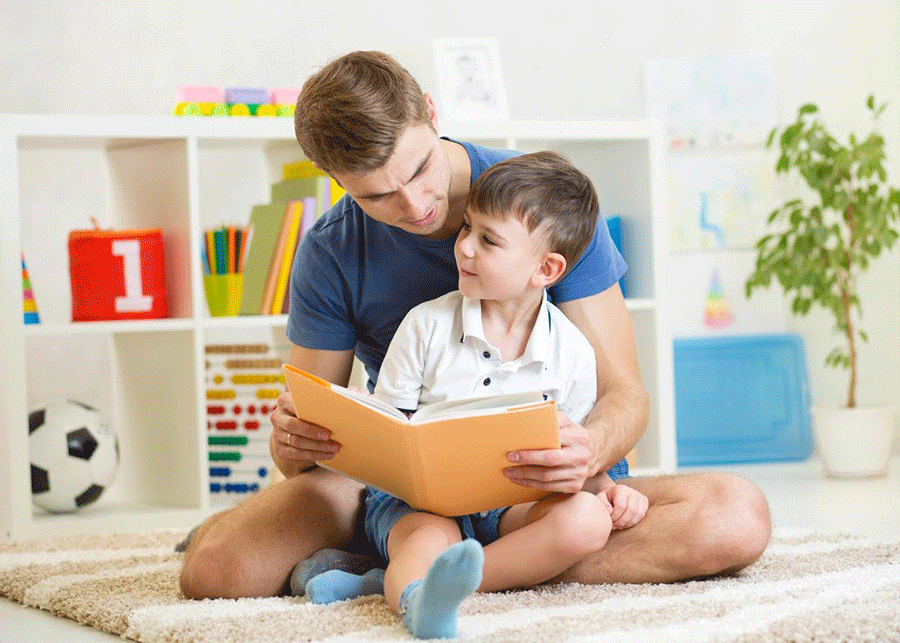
[(527, 221)]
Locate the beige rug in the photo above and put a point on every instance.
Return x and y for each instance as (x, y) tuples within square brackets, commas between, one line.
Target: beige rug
[(806, 587)]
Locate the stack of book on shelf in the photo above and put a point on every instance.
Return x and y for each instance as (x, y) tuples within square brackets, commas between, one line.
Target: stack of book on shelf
[(302, 195)]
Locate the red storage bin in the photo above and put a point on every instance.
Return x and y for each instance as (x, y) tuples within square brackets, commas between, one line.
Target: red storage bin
[(117, 275)]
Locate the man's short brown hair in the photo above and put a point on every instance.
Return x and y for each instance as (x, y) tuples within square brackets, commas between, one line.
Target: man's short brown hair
[(547, 193), (350, 114)]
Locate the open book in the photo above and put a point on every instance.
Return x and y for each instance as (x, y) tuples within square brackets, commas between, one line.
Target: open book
[(447, 458)]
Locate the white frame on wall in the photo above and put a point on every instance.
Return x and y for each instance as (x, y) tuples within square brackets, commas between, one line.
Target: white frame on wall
[(470, 79)]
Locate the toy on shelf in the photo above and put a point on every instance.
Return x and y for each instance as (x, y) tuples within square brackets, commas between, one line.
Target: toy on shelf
[(243, 382), (235, 101), (29, 305), (200, 101), (717, 314), (74, 455), (117, 274)]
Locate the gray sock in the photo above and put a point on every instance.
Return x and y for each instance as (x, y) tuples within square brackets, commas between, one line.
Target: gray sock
[(326, 560), (183, 545)]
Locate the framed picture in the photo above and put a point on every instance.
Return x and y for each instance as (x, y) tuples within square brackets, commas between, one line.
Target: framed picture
[(470, 83)]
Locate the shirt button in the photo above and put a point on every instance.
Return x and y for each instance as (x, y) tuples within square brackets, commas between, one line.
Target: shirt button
[(487, 381), (486, 355)]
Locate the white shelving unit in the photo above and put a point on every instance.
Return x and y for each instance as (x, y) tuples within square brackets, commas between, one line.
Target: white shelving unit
[(183, 175)]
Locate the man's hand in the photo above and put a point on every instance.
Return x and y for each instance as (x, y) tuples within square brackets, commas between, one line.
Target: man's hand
[(629, 505), (562, 470), (296, 445)]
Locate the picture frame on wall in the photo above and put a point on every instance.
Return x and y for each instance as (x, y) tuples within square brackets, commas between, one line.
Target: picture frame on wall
[(469, 79)]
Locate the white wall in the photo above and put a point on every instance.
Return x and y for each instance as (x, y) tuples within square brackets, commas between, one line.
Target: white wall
[(576, 59)]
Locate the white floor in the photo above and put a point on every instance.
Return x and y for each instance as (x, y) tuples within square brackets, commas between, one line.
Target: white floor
[(800, 497)]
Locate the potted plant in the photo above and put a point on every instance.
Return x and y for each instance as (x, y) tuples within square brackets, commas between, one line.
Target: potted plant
[(817, 249)]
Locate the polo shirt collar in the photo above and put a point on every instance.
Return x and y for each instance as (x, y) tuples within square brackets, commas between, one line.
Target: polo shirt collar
[(538, 346)]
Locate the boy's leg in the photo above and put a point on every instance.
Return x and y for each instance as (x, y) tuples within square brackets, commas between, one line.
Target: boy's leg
[(538, 541), (414, 543), (250, 549), (431, 572)]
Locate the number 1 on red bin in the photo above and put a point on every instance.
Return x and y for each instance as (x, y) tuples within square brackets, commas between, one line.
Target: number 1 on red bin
[(134, 299)]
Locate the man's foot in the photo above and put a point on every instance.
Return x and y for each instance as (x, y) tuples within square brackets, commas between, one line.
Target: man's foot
[(336, 585), (326, 560), (428, 607), (183, 545)]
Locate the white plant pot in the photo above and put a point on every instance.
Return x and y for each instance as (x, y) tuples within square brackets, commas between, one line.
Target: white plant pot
[(854, 443)]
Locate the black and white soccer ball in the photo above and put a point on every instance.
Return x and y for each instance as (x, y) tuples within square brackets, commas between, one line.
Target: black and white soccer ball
[(74, 455)]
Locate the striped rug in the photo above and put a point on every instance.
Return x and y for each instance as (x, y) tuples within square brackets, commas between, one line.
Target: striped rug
[(806, 587)]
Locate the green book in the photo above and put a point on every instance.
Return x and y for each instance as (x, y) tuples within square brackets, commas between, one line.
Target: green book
[(318, 187), (265, 221)]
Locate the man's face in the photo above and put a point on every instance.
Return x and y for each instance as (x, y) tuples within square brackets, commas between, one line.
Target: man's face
[(411, 190)]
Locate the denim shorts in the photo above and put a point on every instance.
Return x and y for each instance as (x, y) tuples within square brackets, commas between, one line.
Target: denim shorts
[(619, 470), (383, 511)]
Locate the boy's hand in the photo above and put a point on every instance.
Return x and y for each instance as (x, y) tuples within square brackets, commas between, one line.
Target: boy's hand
[(628, 505), (562, 470)]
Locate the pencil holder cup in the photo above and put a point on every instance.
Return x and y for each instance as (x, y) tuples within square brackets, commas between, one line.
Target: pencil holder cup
[(223, 294)]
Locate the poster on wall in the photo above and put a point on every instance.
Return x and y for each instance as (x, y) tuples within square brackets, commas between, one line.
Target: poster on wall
[(712, 101), (718, 201), (717, 112), (706, 297)]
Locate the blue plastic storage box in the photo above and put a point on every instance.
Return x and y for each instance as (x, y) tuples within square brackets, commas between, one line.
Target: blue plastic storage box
[(741, 399)]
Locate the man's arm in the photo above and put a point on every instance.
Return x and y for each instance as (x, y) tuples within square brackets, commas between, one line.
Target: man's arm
[(296, 445), (619, 416)]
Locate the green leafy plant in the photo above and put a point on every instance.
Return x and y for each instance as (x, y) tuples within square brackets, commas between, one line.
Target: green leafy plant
[(818, 249)]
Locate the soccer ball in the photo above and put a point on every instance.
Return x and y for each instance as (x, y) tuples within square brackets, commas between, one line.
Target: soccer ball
[(74, 456)]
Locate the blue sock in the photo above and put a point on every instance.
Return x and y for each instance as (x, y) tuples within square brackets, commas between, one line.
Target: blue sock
[(336, 585), (428, 607), (325, 560)]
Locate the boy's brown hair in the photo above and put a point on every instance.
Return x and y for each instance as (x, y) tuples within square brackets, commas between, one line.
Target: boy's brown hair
[(350, 114), (547, 193)]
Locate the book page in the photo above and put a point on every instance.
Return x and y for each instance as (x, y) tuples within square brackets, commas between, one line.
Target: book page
[(474, 406), (371, 401)]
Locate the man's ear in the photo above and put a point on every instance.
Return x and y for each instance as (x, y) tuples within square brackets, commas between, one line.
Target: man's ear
[(550, 269), (432, 111)]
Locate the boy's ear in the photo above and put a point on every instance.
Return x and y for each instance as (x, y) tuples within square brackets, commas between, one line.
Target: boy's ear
[(551, 269)]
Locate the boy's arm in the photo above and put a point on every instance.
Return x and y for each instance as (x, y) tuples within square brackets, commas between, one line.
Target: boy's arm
[(402, 369), (627, 506)]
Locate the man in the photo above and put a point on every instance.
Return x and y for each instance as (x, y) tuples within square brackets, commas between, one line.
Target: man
[(388, 246)]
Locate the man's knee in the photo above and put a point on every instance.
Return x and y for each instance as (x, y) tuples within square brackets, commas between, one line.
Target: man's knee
[(736, 526), (251, 549), (214, 567)]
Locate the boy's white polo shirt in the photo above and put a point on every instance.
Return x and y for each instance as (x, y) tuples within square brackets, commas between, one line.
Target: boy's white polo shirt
[(440, 352)]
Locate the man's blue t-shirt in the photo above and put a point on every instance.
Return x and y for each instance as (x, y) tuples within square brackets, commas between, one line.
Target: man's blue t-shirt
[(354, 279)]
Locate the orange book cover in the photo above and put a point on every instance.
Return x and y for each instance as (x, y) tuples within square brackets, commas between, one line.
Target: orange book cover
[(265, 306), (446, 458), (297, 214)]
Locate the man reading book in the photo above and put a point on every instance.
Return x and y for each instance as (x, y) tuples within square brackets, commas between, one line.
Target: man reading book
[(386, 247), (528, 221)]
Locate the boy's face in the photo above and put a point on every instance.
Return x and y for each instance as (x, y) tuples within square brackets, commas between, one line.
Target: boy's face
[(496, 257), (411, 190)]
